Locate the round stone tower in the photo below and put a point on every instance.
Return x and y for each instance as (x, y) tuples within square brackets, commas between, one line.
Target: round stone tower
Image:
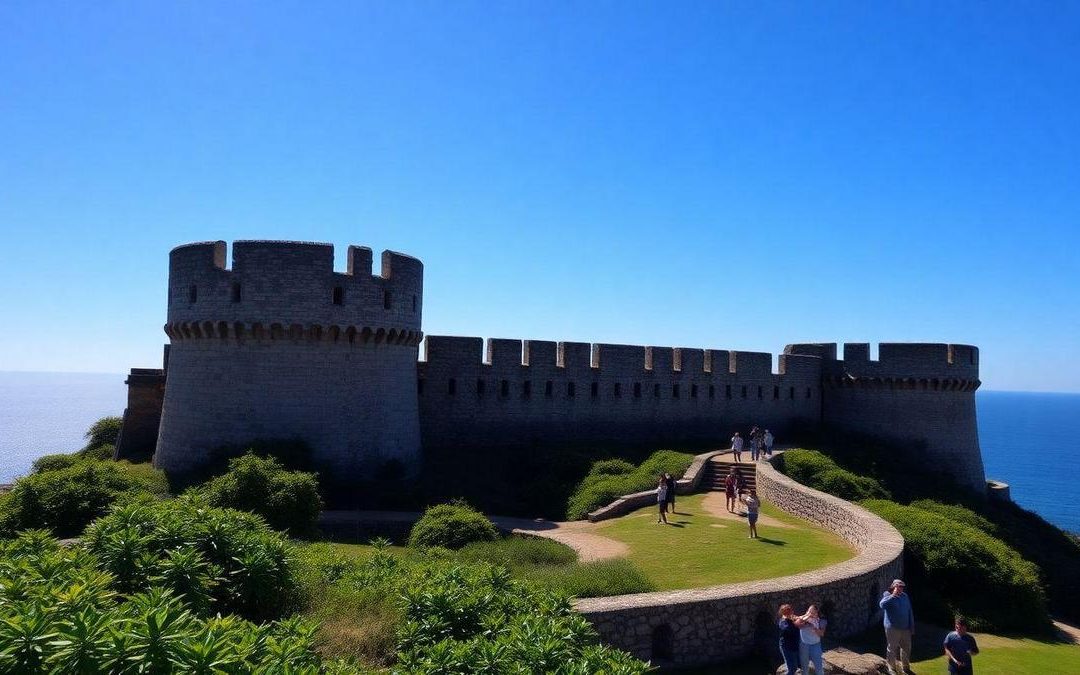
[(918, 396), (281, 347)]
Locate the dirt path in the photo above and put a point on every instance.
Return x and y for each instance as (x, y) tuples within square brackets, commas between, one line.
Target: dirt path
[(578, 535), (1068, 631), (715, 505)]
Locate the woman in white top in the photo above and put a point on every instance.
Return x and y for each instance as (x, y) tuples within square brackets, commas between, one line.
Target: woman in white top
[(736, 446), (810, 634)]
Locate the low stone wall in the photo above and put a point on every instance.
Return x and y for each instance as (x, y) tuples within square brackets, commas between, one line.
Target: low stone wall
[(706, 625), (686, 485)]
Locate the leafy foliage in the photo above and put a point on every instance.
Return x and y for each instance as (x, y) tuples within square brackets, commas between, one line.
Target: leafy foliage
[(60, 613), (960, 569), (451, 526), (288, 500), (218, 560), (64, 500), (101, 438), (817, 470), (609, 479), (47, 463)]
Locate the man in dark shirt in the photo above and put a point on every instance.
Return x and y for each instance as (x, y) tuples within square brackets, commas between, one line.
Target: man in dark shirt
[(960, 646)]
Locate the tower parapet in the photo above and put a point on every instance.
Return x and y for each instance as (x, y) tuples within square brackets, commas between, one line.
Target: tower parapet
[(920, 396), (280, 346)]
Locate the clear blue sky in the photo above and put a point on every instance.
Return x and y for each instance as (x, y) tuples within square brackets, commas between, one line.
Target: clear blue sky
[(729, 175)]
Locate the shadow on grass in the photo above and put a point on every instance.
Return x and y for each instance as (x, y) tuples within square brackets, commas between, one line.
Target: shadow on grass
[(774, 542)]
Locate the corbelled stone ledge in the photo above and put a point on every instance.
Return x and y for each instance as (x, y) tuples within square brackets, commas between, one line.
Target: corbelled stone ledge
[(706, 625)]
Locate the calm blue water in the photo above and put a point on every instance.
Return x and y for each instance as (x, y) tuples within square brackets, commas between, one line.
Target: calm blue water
[(1028, 440)]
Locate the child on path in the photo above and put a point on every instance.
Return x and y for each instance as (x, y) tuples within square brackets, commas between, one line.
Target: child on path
[(661, 500)]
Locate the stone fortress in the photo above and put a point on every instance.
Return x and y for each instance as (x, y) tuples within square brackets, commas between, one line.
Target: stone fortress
[(280, 346)]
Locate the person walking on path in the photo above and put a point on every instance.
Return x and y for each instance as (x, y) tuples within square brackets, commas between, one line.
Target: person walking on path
[(661, 500), (768, 438), (731, 484), (755, 444), (960, 646), (789, 638), (670, 492), (736, 446), (899, 626), (753, 504), (810, 634)]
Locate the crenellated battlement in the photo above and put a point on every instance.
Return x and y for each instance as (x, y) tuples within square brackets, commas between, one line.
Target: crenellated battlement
[(909, 365), (291, 283), (499, 354)]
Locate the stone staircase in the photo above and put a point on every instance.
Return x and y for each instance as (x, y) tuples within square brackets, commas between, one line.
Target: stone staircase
[(718, 467)]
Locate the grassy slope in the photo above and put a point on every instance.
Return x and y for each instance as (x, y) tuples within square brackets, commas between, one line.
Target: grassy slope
[(696, 552)]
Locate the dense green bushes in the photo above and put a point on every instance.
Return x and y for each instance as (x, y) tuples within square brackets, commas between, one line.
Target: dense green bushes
[(451, 526), (59, 612), (609, 479), (47, 463), (218, 560), (448, 617), (64, 500), (816, 470), (973, 573), (288, 500)]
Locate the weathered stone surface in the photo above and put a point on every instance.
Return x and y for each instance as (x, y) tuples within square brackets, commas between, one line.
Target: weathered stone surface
[(841, 661)]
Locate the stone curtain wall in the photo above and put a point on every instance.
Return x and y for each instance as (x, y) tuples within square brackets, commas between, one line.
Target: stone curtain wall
[(543, 393), (708, 625)]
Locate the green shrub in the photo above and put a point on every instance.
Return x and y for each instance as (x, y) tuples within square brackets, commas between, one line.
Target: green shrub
[(99, 453), (958, 514), (451, 526), (65, 500), (288, 500), (819, 471), (47, 463), (477, 619), (221, 560), (104, 432), (968, 571), (609, 479), (59, 613), (846, 485), (612, 467)]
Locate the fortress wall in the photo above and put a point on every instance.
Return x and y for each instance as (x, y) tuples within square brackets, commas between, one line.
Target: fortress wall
[(139, 431), (336, 396), (920, 396), (534, 393)]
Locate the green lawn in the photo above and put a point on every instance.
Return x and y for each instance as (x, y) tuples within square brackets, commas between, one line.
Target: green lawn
[(704, 550)]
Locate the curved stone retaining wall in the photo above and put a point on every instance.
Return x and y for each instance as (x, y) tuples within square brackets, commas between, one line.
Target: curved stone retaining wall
[(707, 625)]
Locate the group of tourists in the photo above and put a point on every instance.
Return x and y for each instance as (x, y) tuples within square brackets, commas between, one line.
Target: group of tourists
[(800, 637), (761, 444)]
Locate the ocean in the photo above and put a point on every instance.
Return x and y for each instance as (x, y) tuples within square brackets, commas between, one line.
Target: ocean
[(1029, 440)]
